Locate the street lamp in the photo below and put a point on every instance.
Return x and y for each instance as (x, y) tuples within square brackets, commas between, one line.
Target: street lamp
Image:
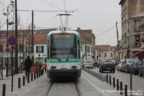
[(8, 23)]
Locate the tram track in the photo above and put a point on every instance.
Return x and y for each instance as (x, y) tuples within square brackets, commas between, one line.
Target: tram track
[(78, 92), (77, 89), (49, 88)]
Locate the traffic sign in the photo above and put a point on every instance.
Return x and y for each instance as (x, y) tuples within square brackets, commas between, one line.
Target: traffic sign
[(7, 50), (12, 40)]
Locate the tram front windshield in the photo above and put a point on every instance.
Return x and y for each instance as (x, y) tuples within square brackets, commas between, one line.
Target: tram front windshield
[(63, 46)]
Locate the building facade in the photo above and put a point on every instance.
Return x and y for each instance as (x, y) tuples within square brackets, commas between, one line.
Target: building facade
[(131, 16), (40, 37), (104, 52)]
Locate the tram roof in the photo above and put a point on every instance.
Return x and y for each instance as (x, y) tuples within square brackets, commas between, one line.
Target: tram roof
[(54, 32)]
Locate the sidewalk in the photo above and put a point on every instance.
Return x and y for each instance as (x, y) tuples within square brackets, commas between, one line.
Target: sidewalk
[(7, 81)]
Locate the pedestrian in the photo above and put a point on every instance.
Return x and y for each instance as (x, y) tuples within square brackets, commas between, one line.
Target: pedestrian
[(28, 64)]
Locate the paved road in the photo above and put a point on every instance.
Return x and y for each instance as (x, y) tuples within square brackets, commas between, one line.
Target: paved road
[(138, 82), (87, 84)]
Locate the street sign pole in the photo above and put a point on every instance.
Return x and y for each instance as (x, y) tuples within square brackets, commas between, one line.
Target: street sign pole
[(12, 41), (12, 69), (131, 82), (7, 50)]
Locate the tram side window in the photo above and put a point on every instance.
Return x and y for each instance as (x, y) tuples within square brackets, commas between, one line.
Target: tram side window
[(78, 48), (48, 49)]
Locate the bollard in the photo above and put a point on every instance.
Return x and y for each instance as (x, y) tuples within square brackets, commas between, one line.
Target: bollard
[(110, 80), (19, 82), (28, 78), (126, 90), (121, 88), (4, 90), (117, 84), (31, 76), (45, 70), (107, 78), (34, 75), (37, 74), (114, 82), (23, 80)]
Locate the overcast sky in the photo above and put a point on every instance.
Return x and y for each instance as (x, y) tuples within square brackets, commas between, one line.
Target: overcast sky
[(98, 15)]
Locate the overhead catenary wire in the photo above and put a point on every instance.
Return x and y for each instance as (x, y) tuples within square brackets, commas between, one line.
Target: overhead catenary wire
[(22, 10), (50, 4), (106, 31)]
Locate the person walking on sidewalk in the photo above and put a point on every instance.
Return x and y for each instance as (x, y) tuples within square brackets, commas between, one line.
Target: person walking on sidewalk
[(28, 64)]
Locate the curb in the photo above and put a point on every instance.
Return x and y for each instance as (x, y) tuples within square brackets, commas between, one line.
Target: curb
[(99, 76)]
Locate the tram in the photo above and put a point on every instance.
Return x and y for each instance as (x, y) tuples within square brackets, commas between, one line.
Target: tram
[(63, 54)]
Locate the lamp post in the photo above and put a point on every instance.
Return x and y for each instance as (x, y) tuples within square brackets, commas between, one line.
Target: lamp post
[(8, 23)]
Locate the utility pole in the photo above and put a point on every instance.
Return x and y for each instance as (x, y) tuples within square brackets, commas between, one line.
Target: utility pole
[(23, 49), (32, 50), (16, 36), (117, 40), (7, 64), (117, 33)]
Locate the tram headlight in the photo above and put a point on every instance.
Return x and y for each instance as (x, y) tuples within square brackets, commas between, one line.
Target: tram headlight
[(74, 67), (53, 67)]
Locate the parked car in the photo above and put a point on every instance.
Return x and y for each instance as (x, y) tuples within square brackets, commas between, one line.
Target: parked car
[(136, 66), (107, 66), (127, 65), (141, 71), (119, 66), (100, 62), (115, 61), (88, 65), (95, 64)]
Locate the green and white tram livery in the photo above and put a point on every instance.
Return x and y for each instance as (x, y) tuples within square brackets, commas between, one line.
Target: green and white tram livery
[(63, 54)]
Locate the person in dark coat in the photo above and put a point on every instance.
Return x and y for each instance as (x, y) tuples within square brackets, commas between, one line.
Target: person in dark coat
[(28, 64)]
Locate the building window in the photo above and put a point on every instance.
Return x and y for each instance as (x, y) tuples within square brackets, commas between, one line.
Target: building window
[(137, 40), (87, 49), (136, 25), (105, 55), (111, 55), (1, 48), (99, 55), (110, 49), (39, 49), (21, 47), (91, 50)]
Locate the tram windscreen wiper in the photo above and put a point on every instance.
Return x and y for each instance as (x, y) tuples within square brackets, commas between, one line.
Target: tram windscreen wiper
[(58, 59)]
